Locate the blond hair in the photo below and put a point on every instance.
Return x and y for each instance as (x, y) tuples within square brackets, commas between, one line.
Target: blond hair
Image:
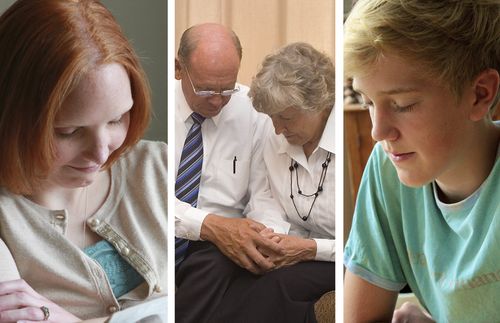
[(452, 40)]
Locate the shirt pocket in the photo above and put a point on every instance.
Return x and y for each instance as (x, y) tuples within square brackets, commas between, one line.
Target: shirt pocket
[(232, 179)]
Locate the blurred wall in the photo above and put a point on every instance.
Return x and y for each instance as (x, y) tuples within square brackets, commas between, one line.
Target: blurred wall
[(146, 28), (262, 25)]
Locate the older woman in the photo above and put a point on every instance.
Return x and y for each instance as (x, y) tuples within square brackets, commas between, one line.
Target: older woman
[(82, 198), (295, 87)]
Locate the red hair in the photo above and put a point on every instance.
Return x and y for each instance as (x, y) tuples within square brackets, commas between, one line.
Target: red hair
[(47, 48)]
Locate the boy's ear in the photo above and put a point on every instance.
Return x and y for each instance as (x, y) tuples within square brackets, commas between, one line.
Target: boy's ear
[(178, 69), (485, 88)]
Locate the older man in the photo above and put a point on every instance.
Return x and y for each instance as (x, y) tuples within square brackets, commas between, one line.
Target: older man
[(220, 176)]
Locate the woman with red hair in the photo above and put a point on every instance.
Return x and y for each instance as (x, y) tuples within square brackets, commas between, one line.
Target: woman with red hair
[(82, 198)]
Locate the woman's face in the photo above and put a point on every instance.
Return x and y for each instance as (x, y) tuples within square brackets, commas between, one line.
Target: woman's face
[(422, 127), (93, 122), (300, 127)]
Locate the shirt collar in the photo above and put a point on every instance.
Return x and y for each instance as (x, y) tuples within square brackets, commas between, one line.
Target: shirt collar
[(184, 110), (327, 141), (285, 148)]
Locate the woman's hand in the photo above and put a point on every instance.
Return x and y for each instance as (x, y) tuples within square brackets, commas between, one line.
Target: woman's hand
[(240, 240), (296, 249), (20, 303), (269, 234), (411, 313)]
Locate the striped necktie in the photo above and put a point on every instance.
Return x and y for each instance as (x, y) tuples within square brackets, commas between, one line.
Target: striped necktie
[(187, 183)]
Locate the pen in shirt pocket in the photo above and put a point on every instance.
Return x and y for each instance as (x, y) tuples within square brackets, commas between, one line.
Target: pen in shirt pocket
[(234, 165)]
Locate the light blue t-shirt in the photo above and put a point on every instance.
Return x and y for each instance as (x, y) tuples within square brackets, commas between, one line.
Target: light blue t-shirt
[(449, 254)]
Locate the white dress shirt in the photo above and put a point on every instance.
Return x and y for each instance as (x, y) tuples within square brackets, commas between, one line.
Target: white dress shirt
[(320, 225), (227, 187)]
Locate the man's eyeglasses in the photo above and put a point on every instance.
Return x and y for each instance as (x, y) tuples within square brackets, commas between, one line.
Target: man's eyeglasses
[(210, 93)]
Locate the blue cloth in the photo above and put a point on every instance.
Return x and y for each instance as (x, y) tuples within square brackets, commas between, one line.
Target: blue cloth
[(187, 184), (449, 254), (121, 275)]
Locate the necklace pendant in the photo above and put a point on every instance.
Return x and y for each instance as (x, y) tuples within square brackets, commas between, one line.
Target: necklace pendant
[(295, 165)]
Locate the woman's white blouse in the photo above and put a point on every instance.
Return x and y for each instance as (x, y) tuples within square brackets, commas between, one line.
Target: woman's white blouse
[(320, 225)]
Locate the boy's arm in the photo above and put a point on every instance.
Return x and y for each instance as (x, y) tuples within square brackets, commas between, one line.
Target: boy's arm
[(365, 302)]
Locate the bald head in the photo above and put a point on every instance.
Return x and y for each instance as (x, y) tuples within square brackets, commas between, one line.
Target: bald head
[(209, 40), (208, 59)]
